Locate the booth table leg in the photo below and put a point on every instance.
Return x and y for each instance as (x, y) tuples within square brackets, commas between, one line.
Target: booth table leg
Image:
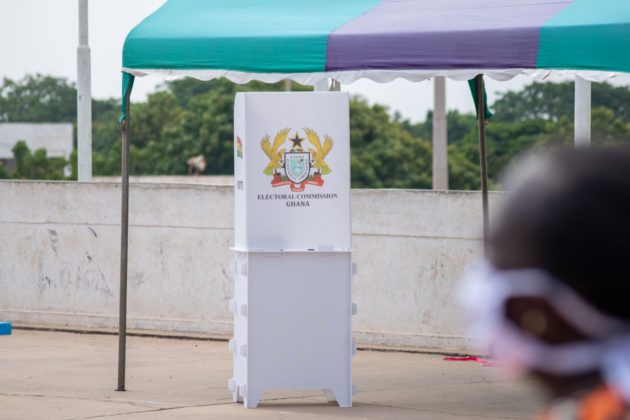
[(343, 396), (330, 396), (252, 397)]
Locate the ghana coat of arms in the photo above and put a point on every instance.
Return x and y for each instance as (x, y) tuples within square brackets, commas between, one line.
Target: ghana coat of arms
[(296, 167)]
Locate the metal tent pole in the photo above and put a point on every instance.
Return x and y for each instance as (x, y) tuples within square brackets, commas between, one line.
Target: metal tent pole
[(124, 240), (481, 126)]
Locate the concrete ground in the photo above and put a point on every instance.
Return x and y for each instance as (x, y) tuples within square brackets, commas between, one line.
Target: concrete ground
[(54, 375)]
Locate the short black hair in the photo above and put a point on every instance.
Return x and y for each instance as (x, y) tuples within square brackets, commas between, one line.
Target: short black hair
[(569, 214)]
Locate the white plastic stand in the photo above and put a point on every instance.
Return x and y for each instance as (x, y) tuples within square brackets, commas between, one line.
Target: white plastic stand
[(292, 324), (292, 301)]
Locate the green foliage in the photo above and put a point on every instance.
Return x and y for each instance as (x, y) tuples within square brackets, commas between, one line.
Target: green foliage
[(74, 166), (38, 99), (184, 118), (3, 172), (188, 117), (384, 154), (546, 101), (537, 117), (552, 101), (22, 158), (36, 165)]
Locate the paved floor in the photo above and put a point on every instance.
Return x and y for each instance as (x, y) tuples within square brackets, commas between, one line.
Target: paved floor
[(52, 375)]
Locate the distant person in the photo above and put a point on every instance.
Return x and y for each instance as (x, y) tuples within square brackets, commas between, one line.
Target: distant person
[(196, 165), (554, 298)]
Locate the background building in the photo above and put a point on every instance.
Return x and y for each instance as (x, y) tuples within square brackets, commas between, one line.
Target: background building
[(56, 138)]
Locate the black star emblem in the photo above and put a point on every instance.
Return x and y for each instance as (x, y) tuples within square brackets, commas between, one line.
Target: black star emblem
[(297, 142)]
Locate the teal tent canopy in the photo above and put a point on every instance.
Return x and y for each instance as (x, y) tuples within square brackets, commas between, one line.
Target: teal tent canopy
[(311, 40)]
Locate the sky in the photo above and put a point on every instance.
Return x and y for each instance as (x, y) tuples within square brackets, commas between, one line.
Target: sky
[(41, 36)]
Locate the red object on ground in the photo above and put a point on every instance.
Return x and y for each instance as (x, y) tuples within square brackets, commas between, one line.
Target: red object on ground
[(469, 359)]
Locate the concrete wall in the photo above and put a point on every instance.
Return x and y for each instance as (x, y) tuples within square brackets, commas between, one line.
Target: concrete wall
[(59, 259), (172, 179)]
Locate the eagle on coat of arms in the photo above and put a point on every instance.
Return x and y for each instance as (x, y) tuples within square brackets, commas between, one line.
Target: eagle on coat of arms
[(297, 167)]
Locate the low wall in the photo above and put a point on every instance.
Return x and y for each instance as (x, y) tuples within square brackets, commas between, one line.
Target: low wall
[(59, 259)]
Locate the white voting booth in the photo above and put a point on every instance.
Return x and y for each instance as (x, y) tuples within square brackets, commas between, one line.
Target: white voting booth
[(292, 284)]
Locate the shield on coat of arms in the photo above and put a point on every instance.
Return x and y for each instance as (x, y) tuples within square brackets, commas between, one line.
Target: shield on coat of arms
[(297, 166)]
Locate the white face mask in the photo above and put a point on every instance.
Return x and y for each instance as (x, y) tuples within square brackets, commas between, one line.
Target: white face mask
[(484, 293)]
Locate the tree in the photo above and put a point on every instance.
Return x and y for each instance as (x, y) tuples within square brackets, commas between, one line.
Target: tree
[(36, 165), (183, 118), (538, 117), (384, 154), (38, 98), (552, 101), (546, 101), (189, 117)]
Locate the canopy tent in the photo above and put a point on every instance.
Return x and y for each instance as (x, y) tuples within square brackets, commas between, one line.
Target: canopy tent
[(310, 41)]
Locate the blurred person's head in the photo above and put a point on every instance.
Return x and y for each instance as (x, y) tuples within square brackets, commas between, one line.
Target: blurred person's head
[(554, 297)]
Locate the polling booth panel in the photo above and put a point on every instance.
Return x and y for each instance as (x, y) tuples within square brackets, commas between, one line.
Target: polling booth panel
[(292, 254)]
